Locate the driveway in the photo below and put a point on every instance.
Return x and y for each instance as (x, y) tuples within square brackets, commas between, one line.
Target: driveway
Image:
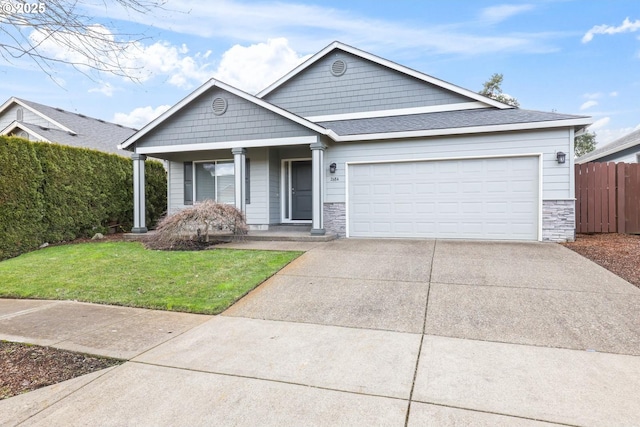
[(388, 332)]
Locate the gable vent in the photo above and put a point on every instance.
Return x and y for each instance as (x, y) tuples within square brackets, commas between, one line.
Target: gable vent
[(219, 106), (338, 67)]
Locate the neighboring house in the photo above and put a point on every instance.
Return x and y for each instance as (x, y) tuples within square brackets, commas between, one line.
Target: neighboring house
[(625, 149), (361, 146), (37, 122)]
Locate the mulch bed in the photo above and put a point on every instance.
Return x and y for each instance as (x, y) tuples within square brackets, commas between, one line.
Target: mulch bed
[(26, 367), (618, 253)]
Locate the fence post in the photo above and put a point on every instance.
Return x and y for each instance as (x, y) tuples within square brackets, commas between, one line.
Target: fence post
[(620, 195)]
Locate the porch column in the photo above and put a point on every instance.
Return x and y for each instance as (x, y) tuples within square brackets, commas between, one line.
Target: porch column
[(317, 172), (139, 208), (239, 162)]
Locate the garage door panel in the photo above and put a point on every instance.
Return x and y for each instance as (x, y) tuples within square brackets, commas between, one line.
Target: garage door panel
[(478, 198)]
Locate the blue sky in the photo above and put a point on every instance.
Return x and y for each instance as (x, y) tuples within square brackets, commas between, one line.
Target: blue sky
[(579, 57)]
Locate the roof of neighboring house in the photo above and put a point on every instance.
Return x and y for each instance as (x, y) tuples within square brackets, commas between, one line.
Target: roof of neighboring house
[(69, 128), (464, 121), (628, 141)]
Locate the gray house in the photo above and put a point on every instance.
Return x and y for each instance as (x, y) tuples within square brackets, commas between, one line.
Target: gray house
[(38, 122), (625, 149), (357, 145)]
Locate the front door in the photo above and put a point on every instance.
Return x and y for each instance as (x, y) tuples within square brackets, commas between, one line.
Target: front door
[(301, 200)]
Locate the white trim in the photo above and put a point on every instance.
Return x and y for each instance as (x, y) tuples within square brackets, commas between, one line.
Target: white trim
[(436, 159), (400, 112), (287, 191), (13, 99), (385, 63), (461, 131), (17, 125), (209, 85), (247, 143)]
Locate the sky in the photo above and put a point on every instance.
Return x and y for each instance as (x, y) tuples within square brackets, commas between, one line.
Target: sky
[(569, 56)]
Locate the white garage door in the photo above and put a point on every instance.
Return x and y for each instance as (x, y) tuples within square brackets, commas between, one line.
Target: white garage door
[(495, 198)]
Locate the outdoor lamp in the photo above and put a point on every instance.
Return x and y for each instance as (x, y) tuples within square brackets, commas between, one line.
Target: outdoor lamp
[(561, 157), (333, 167)]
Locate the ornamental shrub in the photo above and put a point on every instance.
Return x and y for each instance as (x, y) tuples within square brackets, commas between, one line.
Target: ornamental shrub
[(53, 193)]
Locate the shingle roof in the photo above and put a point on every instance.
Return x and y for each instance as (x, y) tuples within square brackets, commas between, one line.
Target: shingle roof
[(619, 144), (443, 120), (90, 133)]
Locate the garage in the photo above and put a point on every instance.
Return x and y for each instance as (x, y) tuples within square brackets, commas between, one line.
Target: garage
[(482, 198)]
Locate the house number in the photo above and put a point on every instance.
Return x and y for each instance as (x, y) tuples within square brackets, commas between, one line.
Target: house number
[(335, 178)]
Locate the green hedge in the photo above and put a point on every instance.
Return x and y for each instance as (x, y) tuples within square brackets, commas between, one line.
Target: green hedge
[(52, 193)]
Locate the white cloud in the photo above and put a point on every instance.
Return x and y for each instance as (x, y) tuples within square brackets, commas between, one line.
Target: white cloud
[(502, 12), (254, 67), (140, 116), (105, 88), (594, 95), (588, 104), (313, 27), (607, 135), (613, 94), (137, 60), (599, 124), (626, 27)]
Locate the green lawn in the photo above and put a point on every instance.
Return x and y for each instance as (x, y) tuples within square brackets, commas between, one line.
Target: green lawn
[(125, 273)]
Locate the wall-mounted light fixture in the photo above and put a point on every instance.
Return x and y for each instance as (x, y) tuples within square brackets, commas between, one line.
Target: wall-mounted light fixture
[(333, 167), (561, 157)]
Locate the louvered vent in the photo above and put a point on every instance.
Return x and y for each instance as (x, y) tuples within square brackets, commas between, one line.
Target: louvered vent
[(338, 67), (219, 106)]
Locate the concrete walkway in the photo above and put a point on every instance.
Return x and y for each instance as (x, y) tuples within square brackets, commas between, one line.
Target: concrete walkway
[(360, 332)]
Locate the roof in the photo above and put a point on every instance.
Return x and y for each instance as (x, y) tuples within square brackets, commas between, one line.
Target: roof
[(69, 128), (451, 122), (628, 141), (211, 83), (385, 63)]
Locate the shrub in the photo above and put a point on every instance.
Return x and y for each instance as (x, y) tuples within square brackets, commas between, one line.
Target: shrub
[(195, 225), (53, 193)]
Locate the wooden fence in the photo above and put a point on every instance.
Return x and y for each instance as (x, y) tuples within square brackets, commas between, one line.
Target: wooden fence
[(608, 198)]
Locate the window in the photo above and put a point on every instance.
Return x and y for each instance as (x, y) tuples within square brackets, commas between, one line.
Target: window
[(214, 180)]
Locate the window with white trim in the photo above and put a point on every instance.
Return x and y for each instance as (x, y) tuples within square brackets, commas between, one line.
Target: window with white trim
[(214, 180)]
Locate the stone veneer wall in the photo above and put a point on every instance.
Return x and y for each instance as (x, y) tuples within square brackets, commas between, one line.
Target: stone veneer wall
[(335, 218), (558, 220)]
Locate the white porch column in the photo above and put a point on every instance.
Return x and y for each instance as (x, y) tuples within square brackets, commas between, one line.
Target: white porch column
[(239, 162), (317, 171), (139, 207)]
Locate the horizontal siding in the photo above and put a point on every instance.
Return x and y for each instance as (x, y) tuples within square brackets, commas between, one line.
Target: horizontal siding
[(257, 210), (9, 116), (365, 86), (556, 178), (243, 120)]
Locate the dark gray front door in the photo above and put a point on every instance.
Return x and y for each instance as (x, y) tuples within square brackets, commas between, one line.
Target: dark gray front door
[(301, 190)]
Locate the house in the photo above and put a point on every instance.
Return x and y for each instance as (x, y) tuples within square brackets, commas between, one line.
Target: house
[(37, 122), (625, 149), (360, 146)]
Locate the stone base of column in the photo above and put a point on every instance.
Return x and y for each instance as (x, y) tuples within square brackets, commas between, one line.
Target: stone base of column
[(317, 232), (139, 230)]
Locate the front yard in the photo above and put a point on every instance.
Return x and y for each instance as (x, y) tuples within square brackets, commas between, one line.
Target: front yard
[(125, 273)]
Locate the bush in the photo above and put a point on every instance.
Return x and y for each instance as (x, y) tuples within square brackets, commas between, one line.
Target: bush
[(194, 227), (53, 193)]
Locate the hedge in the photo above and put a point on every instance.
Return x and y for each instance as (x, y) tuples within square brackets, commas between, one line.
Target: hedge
[(52, 193)]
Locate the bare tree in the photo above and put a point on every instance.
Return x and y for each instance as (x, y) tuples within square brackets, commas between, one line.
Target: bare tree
[(27, 27)]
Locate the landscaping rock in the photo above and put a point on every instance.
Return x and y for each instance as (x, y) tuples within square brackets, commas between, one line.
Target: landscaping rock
[(98, 236), (44, 245)]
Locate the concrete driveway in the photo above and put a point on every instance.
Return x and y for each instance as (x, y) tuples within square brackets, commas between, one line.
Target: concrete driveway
[(386, 332)]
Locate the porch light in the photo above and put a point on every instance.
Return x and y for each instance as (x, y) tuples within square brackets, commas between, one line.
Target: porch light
[(333, 167), (561, 157)]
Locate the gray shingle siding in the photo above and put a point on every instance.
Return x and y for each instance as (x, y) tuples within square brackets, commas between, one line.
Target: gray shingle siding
[(365, 86), (442, 120), (242, 120)]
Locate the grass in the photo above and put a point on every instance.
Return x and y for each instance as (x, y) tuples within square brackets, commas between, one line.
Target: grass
[(125, 273)]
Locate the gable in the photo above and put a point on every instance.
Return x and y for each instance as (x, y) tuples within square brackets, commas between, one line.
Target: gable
[(364, 86), (196, 123), (9, 115)]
